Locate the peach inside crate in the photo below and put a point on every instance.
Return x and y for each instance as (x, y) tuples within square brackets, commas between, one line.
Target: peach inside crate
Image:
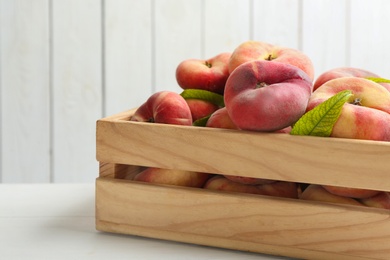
[(256, 223)]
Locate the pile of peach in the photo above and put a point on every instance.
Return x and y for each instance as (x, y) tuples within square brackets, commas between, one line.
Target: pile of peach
[(267, 88)]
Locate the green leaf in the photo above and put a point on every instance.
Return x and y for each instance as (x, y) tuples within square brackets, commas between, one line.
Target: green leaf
[(205, 95), (201, 121), (320, 120), (379, 80)]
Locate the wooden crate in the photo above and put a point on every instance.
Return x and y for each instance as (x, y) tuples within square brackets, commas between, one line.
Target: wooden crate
[(278, 226)]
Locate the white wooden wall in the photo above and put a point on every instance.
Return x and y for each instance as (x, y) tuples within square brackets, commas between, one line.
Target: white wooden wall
[(65, 64)]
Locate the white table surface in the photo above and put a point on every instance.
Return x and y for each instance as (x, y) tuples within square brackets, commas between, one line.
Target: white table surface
[(57, 221)]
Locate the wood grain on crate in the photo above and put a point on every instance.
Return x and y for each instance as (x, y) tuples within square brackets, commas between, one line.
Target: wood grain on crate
[(278, 226), (334, 161), (287, 227)]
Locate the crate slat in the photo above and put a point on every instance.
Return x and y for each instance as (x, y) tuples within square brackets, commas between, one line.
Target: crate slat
[(319, 160), (263, 224), (287, 227)]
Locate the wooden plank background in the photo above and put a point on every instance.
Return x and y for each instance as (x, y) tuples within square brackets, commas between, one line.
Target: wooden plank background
[(65, 64)]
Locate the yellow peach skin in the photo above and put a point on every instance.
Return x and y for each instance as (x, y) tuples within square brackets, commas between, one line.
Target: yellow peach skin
[(345, 72), (318, 193), (381, 200), (248, 180), (277, 189), (172, 177), (257, 50), (365, 115), (350, 192)]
